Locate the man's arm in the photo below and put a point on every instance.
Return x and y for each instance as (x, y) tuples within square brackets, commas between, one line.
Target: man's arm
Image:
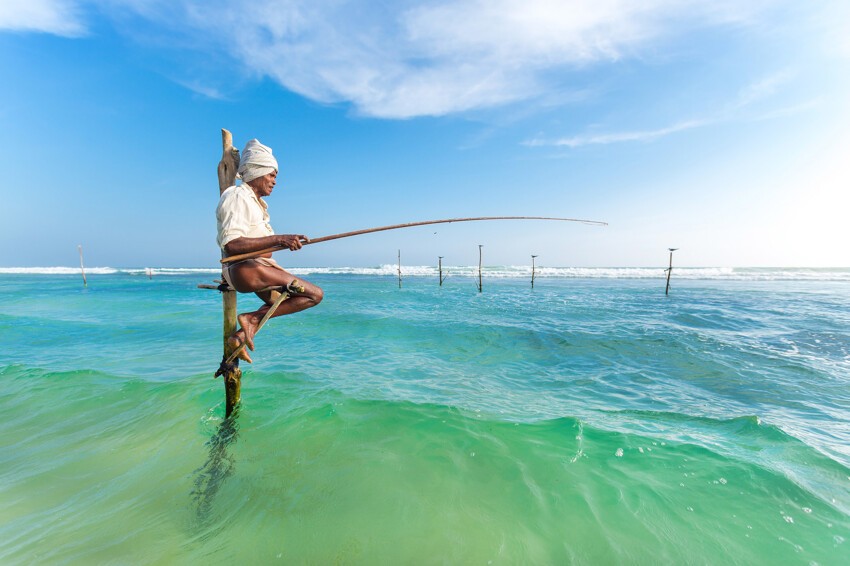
[(244, 245)]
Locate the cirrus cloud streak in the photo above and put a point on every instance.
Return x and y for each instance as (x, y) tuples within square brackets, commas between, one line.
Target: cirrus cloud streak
[(407, 58)]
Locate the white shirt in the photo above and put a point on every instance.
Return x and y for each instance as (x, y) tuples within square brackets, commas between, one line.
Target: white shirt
[(240, 213)]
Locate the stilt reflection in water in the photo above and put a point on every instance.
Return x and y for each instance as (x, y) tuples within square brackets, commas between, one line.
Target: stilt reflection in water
[(219, 465)]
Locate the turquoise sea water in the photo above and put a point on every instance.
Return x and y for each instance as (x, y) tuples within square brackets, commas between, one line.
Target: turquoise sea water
[(591, 420)]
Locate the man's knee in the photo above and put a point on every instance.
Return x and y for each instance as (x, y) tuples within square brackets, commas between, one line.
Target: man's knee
[(317, 295)]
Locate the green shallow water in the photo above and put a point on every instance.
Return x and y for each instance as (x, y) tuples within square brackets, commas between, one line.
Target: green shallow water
[(590, 422)]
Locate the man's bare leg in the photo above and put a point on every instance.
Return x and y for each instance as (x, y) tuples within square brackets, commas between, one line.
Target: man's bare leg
[(252, 276), (250, 321)]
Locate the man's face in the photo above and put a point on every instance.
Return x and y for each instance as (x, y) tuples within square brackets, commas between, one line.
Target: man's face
[(263, 185)]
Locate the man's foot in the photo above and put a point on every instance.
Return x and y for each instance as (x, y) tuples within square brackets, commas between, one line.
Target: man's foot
[(249, 328), (235, 341)]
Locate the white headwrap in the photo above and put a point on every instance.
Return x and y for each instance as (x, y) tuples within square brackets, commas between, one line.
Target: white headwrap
[(257, 160)]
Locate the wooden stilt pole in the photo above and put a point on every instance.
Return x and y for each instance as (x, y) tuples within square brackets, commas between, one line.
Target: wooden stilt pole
[(82, 269), (399, 269), (229, 163), (669, 270), (232, 375), (532, 271), (440, 267), (480, 284)]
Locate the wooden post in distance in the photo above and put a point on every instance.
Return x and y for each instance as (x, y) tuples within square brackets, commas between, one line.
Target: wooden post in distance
[(532, 271), (82, 269), (480, 285), (669, 270)]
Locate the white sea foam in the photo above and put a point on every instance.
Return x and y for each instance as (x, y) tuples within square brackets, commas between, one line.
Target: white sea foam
[(505, 272), (692, 273), (58, 270), (150, 271)]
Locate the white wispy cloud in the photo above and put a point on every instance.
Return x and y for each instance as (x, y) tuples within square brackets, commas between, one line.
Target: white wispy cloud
[(201, 89), (59, 17), (409, 58), (792, 110), (750, 95), (617, 137), (762, 89)]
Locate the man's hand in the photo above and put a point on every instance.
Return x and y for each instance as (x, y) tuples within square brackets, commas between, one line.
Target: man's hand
[(292, 241)]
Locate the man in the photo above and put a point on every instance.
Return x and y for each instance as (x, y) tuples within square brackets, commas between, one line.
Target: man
[(243, 227)]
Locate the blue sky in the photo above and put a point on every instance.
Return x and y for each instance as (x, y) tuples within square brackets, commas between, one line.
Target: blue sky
[(718, 127)]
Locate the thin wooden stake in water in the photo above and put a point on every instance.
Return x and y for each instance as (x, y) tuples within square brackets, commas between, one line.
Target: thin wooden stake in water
[(82, 269), (480, 284), (669, 270), (532, 271), (399, 269), (440, 267)]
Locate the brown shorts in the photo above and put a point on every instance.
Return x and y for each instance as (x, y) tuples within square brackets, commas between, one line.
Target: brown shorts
[(225, 271)]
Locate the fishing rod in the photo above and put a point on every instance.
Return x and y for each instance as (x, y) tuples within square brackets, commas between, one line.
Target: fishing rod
[(250, 255)]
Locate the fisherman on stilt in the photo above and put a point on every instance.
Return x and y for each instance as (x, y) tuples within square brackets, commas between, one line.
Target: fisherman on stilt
[(244, 227)]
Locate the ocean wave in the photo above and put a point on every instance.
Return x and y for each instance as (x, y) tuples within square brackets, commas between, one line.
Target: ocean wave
[(497, 272), (523, 271), (146, 271), (57, 270), (150, 271)]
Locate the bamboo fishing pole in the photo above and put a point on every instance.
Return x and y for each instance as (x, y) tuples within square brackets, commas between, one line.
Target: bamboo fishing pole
[(250, 255)]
